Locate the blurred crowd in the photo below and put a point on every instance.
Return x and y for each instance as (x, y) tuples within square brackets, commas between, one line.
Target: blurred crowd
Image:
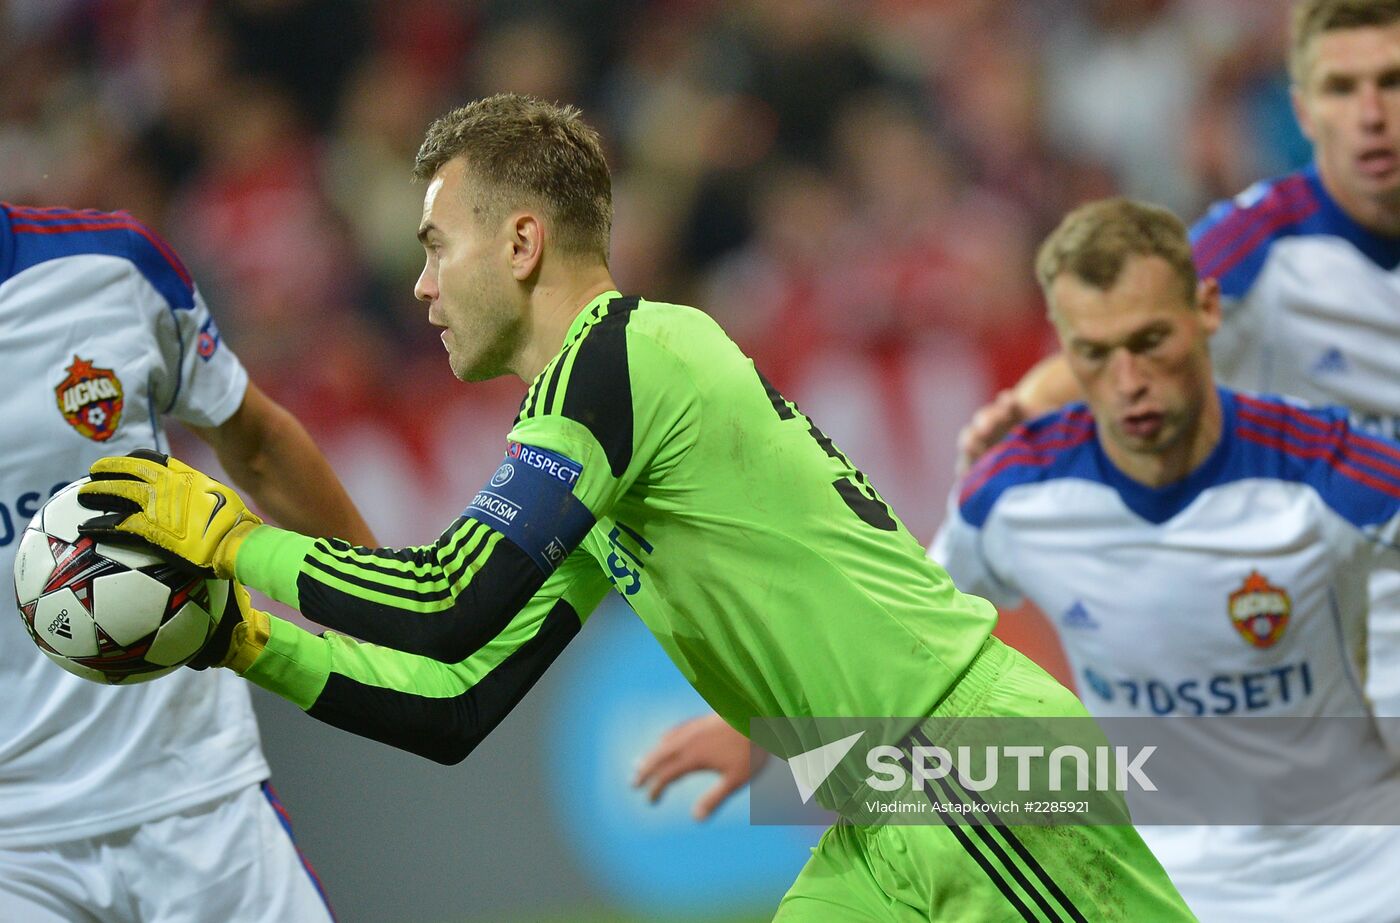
[(853, 177)]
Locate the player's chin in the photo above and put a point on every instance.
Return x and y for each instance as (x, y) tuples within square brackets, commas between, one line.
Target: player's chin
[(1376, 177), (461, 365), (1142, 442), (471, 372)]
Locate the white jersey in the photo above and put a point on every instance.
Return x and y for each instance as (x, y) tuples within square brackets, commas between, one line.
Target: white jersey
[(1241, 590), (101, 332), (1311, 299), (1311, 303)]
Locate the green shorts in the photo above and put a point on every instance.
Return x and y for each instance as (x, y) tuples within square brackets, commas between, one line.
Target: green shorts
[(966, 873)]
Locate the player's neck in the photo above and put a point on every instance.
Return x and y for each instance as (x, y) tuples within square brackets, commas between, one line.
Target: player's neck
[(1377, 214), (554, 305), (1158, 469)]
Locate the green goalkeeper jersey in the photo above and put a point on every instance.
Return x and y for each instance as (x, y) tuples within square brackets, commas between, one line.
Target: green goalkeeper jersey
[(651, 457)]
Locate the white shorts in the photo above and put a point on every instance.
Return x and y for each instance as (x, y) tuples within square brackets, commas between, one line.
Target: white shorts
[(231, 860)]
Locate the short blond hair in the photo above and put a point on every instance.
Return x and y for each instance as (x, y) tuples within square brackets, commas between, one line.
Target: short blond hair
[(1094, 241), (524, 151), (1311, 18)]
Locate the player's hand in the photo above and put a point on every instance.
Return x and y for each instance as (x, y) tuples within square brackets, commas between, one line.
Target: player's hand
[(989, 425), (239, 636), (170, 505), (696, 745)]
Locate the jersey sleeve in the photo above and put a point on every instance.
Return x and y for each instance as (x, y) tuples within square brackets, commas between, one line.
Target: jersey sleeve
[(1216, 251), (437, 710), (199, 380), (597, 418), (1375, 462), (959, 548), (1356, 474), (444, 600)]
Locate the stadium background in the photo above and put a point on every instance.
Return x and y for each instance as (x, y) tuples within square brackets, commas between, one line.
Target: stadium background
[(854, 189)]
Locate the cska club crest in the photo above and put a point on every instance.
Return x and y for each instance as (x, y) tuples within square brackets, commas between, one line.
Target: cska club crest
[(1260, 610), (90, 399)]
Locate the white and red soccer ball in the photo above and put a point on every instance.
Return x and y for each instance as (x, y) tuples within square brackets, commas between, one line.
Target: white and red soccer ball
[(109, 613)]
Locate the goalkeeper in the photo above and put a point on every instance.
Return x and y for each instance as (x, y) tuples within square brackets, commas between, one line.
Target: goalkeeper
[(649, 456)]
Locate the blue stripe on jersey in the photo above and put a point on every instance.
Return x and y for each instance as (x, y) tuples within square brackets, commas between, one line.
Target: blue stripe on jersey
[(1263, 437), (1378, 451), (30, 236), (285, 820), (1231, 242), (7, 244), (1057, 445), (1380, 455), (1356, 474)]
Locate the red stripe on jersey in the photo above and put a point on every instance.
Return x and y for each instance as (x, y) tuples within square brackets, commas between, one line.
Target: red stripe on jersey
[(1297, 415), (1323, 453), (56, 212), (1233, 239), (1332, 440), (1019, 450), (110, 223), (286, 819)]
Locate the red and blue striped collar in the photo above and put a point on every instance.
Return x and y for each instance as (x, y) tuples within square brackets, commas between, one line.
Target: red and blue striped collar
[(1262, 437)]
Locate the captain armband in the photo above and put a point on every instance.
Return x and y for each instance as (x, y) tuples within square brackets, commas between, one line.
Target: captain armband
[(530, 499)]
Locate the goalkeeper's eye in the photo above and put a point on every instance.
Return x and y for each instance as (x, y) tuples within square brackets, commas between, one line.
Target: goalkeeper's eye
[(1091, 353)]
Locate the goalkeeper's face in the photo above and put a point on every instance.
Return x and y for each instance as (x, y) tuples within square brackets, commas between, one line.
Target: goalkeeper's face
[(467, 281), (1139, 351)]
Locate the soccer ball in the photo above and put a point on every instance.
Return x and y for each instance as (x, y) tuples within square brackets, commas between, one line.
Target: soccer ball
[(108, 613)]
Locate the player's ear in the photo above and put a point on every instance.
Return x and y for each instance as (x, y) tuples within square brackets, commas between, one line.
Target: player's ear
[(1208, 302), (1300, 111), (527, 244)]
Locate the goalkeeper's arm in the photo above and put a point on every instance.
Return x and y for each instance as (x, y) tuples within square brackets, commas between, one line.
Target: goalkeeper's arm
[(473, 593), (436, 710), (444, 600)]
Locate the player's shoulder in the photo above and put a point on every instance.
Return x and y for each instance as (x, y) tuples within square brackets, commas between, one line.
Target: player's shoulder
[(35, 235), (626, 360), (1355, 473), (1056, 445), (593, 379), (680, 330), (1231, 241), (630, 321), (617, 337)]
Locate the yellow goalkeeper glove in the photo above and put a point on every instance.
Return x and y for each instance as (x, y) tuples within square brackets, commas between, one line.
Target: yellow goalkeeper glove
[(170, 505), (238, 638)]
